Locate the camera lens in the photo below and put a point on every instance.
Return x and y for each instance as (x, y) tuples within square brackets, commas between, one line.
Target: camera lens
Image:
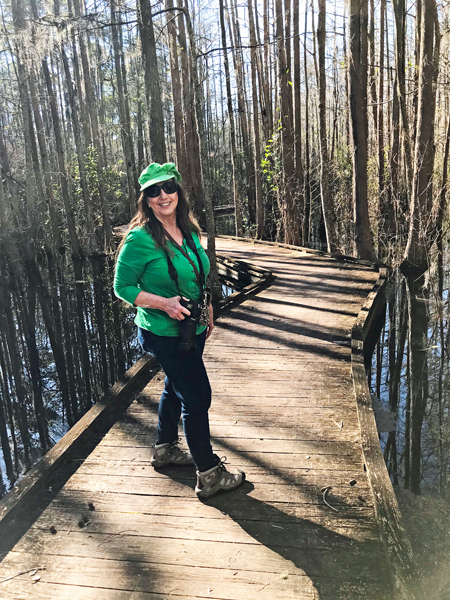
[(188, 326)]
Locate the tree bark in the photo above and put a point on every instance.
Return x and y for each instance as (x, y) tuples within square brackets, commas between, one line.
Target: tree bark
[(194, 183), (363, 247), (298, 119), (290, 214), (91, 104), (247, 147), (180, 131), (307, 218), (152, 83), (125, 131), (400, 59), (236, 197), (419, 238), (327, 206), (256, 133)]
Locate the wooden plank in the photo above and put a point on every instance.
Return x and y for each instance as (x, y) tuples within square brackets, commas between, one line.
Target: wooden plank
[(200, 582), (339, 418), (24, 589), (299, 534), (267, 553), (183, 487), (303, 438), (248, 458), (217, 507), (142, 576), (154, 524), (301, 477), (324, 439), (251, 425)]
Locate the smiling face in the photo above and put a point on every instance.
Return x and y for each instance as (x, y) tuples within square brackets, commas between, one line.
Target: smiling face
[(164, 206)]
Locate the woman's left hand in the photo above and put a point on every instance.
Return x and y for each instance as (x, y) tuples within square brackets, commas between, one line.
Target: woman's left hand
[(210, 327)]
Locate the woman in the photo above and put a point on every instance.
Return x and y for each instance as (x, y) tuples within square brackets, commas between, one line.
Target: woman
[(160, 264)]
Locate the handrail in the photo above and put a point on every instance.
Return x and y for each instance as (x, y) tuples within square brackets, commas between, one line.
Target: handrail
[(334, 255), (240, 273)]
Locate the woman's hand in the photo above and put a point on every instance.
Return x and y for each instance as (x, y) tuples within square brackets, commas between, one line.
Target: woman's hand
[(174, 309), (210, 327)]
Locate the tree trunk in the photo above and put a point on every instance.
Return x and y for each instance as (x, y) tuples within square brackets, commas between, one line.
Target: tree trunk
[(385, 206), (48, 184), (419, 238), (256, 135), (81, 155), (307, 218), (290, 214), (363, 247), (125, 131), (152, 84), (400, 60), (64, 183), (298, 119), (237, 200), (327, 206), (199, 134), (177, 101), (246, 146), (93, 116), (194, 182)]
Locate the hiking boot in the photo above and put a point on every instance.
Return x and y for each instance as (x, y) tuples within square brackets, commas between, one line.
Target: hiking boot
[(217, 479), (170, 454)]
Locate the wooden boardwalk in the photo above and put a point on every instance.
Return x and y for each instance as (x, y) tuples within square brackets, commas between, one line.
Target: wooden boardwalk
[(303, 524)]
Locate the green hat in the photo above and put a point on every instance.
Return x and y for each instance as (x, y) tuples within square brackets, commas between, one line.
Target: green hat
[(156, 173)]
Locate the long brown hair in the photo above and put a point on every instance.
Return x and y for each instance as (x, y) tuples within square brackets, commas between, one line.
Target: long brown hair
[(145, 217)]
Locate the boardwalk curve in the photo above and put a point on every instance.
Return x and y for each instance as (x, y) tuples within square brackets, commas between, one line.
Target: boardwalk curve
[(303, 526)]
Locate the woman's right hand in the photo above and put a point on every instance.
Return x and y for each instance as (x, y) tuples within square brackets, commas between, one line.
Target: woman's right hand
[(174, 309)]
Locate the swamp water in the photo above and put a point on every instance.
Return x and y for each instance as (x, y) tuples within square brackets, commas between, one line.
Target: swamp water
[(410, 381)]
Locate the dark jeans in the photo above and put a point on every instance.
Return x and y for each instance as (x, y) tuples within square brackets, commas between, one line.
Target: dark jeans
[(187, 391)]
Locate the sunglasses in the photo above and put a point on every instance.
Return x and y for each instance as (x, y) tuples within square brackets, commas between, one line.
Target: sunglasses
[(170, 187)]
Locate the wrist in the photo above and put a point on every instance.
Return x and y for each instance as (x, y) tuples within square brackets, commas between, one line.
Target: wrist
[(165, 306)]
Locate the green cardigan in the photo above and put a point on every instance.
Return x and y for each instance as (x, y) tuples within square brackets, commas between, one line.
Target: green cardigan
[(142, 266)]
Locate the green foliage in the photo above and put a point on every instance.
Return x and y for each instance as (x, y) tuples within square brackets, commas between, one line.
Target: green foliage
[(271, 165), (341, 192)]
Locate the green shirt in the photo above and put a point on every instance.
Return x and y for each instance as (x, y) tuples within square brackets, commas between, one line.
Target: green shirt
[(142, 266)]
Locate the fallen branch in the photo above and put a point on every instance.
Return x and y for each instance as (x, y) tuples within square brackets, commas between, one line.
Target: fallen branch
[(33, 570)]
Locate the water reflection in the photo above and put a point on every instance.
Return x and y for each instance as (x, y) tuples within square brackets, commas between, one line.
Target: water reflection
[(409, 380), (64, 339)]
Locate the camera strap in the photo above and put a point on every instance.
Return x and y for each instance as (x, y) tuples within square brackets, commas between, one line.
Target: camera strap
[(199, 272)]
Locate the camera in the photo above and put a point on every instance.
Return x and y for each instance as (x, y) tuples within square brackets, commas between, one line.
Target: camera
[(188, 326)]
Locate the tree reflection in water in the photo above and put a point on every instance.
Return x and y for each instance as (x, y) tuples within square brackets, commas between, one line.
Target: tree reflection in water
[(410, 375), (64, 339)]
